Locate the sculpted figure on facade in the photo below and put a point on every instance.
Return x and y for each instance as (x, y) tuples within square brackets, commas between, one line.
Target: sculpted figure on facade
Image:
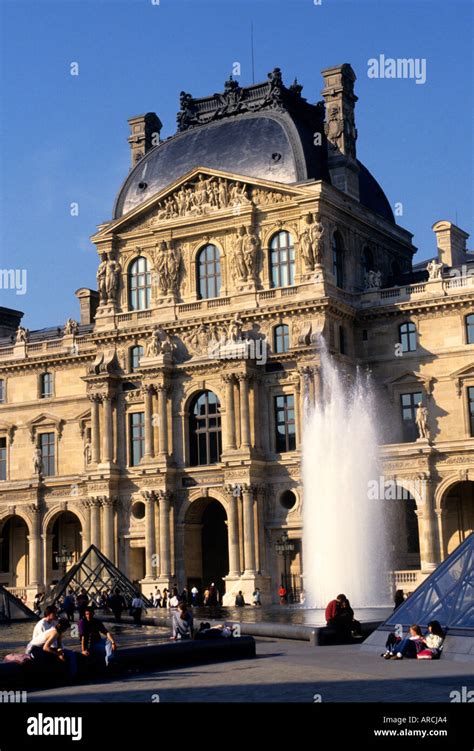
[(112, 279), (37, 461), (245, 255), (71, 327), (158, 343), (234, 329), (422, 421), (101, 279), (22, 335), (311, 242), (167, 259), (373, 279), (434, 270)]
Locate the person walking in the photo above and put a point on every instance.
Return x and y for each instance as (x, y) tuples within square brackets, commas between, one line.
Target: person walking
[(137, 606), (69, 605), (117, 605), (257, 597), (194, 595), (282, 594)]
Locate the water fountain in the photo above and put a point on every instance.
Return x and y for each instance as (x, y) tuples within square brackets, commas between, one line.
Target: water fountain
[(345, 546)]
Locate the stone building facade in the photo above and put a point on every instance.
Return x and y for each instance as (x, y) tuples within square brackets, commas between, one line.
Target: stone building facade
[(165, 426)]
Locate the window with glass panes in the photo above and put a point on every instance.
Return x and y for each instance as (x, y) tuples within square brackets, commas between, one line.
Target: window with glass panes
[(135, 354), (281, 338), (46, 385), (285, 423), (137, 437), (139, 284), (2, 391), (470, 396), (408, 337), (205, 429), (209, 272), (282, 260), (47, 446), (3, 458), (409, 404), (470, 329)]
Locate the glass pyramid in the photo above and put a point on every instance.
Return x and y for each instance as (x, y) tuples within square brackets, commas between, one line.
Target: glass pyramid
[(94, 572), (447, 595), (13, 609)]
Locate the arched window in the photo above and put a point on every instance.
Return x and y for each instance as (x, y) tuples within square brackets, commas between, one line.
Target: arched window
[(470, 329), (338, 259), (209, 272), (281, 338), (139, 284), (282, 260), (135, 354), (368, 260), (408, 337), (205, 429)]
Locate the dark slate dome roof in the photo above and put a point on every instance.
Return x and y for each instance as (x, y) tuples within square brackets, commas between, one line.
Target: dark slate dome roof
[(264, 131)]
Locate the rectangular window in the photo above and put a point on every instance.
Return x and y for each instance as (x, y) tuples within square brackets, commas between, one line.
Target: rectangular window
[(2, 391), (470, 329), (47, 446), (342, 340), (46, 385), (409, 404), (3, 459), (285, 438), (470, 395), (137, 437)]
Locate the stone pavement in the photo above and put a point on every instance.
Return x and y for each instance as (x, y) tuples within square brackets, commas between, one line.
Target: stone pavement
[(284, 671)]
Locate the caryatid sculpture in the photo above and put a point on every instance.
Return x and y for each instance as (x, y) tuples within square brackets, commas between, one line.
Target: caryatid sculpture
[(168, 266), (311, 242), (245, 255), (108, 279)]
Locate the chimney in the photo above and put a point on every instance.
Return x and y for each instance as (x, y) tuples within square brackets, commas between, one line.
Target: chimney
[(9, 321), (341, 133), (144, 134), (451, 242), (88, 302)]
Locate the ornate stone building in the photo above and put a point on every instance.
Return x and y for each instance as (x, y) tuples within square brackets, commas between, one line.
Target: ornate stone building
[(165, 427)]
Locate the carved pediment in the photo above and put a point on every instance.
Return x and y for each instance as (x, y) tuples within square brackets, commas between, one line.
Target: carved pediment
[(461, 376), (45, 420), (409, 379), (201, 192)]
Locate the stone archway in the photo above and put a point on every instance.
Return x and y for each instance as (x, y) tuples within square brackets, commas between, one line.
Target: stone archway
[(457, 514), (206, 547), (404, 528), (14, 552), (63, 530)]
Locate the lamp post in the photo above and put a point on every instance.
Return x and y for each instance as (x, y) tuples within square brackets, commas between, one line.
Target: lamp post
[(284, 547), (64, 558)]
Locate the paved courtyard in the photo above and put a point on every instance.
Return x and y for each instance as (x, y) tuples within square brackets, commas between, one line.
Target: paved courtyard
[(284, 671)]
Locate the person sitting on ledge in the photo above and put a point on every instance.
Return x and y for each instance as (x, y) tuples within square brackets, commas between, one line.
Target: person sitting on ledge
[(433, 642), (45, 624), (183, 623), (47, 648), (239, 600), (407, 647), (92, 644), (340, 616)]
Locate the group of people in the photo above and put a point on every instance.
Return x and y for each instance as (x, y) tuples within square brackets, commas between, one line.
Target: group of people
[(172, 598), (105, 600), (256, 598), (415, 644), (47, 649)]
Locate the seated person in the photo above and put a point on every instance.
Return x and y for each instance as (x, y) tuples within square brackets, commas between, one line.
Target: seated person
[(406, 647), (44, 624), (219, 631), (340, 616), (433, 642), (92, 644), (47, 648), (183, 623)]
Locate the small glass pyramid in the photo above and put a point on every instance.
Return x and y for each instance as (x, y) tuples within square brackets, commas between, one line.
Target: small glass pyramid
[(13, 609), (447, 595)]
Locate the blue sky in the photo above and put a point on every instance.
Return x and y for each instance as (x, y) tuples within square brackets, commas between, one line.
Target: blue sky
[(63, 138)]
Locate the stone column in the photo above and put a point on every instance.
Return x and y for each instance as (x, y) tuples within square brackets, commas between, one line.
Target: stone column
[(163, 413), (249, 530), (86, 528), (95, 521), (95, 427), (108, 441), (244, 410), (233, 532), (147, 391), (229, 380), (150, 551), (317, 385), (165, 543), (108, 527), (429, 548), (35, 546)]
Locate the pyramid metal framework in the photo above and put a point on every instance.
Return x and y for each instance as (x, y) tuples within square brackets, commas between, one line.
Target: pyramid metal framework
[(94, 572), (13, 609), (447, 595)]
